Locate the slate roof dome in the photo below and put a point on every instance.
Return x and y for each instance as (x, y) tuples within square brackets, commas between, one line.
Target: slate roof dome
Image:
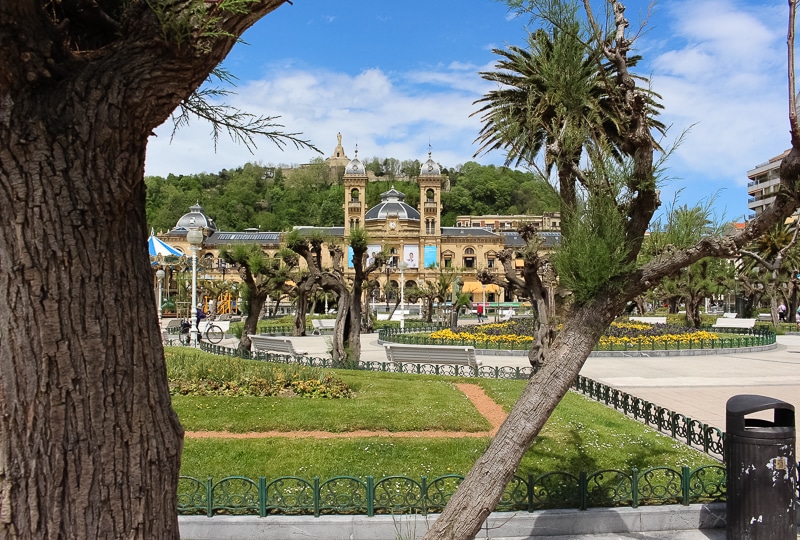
[(430, 167), (195, 218), (355, 167), (392, 205)]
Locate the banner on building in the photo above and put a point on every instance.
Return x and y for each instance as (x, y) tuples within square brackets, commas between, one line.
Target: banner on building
[(431, 257)]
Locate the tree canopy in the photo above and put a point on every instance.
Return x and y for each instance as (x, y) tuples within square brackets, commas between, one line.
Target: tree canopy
[(260, 196)]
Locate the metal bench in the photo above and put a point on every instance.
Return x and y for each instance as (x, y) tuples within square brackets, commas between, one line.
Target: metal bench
[(725, 322), (765, 317), (322, 325), (260, 343), (432, 354), (649, 320)]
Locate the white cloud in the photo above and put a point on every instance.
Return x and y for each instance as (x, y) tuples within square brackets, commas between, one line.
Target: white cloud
[(385, 117), (727, 80)]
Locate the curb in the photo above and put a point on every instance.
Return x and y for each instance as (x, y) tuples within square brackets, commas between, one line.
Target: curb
[(507, 525)]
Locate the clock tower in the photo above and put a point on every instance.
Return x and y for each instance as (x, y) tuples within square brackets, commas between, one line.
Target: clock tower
[(355, 195)]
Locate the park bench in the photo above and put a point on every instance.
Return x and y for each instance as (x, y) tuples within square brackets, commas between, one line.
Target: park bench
[(261, 343), (650, 320), (765, 317), (322, 325), (432, 354), (725, 322), (730, 315), (173, 326)]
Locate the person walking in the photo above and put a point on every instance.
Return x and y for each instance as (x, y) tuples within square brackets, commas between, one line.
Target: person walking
[(480, 313), (199, 315)]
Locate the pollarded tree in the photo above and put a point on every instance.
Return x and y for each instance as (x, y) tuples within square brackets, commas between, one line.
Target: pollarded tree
[(598, 263), (262, 276), (350, 298), (434, 290), (89, 444), (775, 255)]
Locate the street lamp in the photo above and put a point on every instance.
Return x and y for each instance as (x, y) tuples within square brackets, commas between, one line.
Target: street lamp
[(195, 239), (160, 275), (386, 288), (483, 301), (402, 266), (222, 267)]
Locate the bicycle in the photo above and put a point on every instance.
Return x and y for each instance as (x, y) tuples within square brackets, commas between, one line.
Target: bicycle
[(213, 333)]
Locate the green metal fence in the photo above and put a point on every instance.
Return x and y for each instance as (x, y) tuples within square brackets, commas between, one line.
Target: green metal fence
[(291, 495)]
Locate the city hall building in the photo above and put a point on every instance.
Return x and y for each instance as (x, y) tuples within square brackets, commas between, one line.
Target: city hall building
[(411, 235)]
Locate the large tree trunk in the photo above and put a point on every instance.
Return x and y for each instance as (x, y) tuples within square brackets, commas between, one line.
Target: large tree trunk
[(476, 498), (255, 306), (89, 444), (340, 327)]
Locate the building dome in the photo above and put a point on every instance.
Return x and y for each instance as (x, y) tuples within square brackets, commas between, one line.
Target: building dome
[(195, 218), (430, 167), (392, 205), (355, 167)]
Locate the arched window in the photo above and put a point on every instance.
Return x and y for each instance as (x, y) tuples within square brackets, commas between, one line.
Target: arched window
[(354, 195), (469, 258), (429, 195)]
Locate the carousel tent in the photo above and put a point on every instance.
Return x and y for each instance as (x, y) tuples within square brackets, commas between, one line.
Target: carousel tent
[(158, 247)]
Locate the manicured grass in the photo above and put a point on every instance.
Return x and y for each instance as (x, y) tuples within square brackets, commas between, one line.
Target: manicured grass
[(393, 402), (581, 434)]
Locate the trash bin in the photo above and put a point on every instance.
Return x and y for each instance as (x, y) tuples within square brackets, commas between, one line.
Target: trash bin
[(761, 470)]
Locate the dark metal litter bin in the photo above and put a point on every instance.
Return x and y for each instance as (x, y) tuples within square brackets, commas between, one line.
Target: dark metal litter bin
[(761, 476)]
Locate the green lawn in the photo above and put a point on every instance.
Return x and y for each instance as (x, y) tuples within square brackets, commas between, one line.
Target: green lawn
[(581, 434)]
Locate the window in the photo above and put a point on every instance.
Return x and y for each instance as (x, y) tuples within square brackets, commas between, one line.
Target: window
[(469, 262), (469, 251), (490, 262), (429, 195), (448, 262), (354, 195)]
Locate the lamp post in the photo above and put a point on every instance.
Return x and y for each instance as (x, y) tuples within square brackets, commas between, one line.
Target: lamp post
[(483, 301), (386, 288), (195, 239), (160, 275), (402, 266), (222, 267)]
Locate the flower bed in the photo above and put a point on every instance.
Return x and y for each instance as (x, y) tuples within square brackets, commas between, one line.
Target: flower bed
[(622, 335)]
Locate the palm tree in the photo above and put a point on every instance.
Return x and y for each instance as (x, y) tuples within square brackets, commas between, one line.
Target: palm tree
[(554, 98)]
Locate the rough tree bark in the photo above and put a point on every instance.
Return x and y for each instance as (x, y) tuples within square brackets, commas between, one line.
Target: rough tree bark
[(89, 445), (346, 340), (528, 285)]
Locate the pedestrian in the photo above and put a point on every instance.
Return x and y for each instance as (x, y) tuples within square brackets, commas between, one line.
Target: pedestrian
[(199, 315), (480, 313), (782, 312)]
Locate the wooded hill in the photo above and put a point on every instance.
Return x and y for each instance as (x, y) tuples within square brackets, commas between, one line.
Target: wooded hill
[(271, 199)]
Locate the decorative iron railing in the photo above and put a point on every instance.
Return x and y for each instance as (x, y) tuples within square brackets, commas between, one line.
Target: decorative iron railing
[(291, 495)]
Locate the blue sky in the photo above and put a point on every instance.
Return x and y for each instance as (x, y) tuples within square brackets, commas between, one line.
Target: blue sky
[(394, 77)]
